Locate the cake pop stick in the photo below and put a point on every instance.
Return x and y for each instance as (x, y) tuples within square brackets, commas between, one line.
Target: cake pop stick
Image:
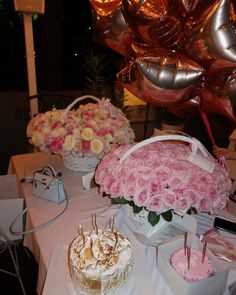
[(204, 250), (81, 232), (80, 229), (112, 224), (116, 237), (94, 223), (185, 242), (188, 256)]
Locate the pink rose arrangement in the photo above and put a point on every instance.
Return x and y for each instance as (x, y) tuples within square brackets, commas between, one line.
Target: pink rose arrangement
[(159, 178), (91, 130)]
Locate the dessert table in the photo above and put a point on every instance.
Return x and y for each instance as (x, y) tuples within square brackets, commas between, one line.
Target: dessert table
[(49, 245)]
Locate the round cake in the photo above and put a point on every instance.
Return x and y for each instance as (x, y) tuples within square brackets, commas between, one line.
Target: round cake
[(99, 261), (197, 270)]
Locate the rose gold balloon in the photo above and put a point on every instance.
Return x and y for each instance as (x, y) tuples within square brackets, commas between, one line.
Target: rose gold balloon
[(181, 109), (212, 39), (230, 88), (142, 48), (110, 28), (213, 102), (161, 77), (153, 22), (189, 5), (105, 7)]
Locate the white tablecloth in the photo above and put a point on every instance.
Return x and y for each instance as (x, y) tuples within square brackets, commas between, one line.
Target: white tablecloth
[(49, 245)]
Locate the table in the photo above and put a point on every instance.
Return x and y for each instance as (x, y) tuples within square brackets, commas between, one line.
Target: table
[(49, 245)]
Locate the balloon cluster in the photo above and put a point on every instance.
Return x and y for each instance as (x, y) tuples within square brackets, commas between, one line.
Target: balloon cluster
[(182, 53)]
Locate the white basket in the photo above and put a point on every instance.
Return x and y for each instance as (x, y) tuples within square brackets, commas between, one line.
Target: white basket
[(195, 144), (76, 163), (82, 164), (141, 217)]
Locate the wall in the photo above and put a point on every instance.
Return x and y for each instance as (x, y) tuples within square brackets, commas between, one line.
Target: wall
[(14, 117)]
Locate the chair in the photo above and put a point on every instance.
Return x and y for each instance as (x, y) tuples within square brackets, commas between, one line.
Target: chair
[(9, 208)]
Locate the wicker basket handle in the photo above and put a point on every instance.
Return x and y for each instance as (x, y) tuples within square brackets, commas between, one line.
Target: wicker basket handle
[(79, 99), (195, 144)]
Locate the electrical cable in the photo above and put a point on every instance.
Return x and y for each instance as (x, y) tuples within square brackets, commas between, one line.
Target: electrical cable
[(41, 226)]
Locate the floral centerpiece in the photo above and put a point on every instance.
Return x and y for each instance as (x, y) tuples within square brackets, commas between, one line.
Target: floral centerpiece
[(90, 131), (159, 179)]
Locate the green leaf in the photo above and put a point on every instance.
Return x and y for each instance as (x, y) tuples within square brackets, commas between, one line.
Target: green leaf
[(194, 210), (137, 209), (167, 215), (131, 203), (191, 211), (119, 201), (153, 218)]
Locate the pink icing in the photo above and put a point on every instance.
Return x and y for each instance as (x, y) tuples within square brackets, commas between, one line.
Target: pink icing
[(197, 270)]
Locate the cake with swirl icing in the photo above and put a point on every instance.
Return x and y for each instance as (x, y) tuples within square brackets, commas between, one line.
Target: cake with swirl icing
[(197, 269), (99, 261)]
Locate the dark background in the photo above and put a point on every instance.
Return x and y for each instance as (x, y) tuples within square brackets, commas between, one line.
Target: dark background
[(62, 41), (64, 46)]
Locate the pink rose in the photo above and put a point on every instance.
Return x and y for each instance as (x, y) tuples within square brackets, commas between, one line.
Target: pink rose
[(221, 202), (155, 187), (205, 205), (86, 145), (162, 173), (169, 198), (56, 125), (213, 193), (128, 197), (155, 203), (107, 182), (152, 162), (181, 191), (115, 189), (140, 154), (141, 197), (143, 180), (56, 144), (174, 181), (181, 206), (194, 198), (129, 189)]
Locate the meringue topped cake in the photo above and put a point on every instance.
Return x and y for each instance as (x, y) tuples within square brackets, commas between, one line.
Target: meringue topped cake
[(99, 261)]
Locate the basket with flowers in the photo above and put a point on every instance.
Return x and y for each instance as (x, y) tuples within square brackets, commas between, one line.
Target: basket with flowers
[(81, 136), (158, 178)]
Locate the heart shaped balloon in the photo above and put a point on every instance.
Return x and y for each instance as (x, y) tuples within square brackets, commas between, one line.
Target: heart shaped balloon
[(162, 77)]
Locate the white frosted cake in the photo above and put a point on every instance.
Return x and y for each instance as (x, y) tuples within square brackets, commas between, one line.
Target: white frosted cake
[(99, 261)]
